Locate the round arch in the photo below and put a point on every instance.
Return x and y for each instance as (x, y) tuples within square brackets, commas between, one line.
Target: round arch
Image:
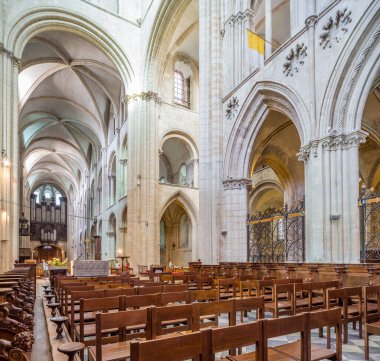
[(264, 97), (183, 136)]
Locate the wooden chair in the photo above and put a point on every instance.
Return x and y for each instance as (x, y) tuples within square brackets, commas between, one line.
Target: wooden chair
[(206, 314), (204, 295), (303, 297), (173, 297), (281, 306), (149, 290), (86, 329), (265, 288), (233, 338), (245, 288), (119, 292), (205, 283), (281, 327), (65, 302), (119, 349), (171, 319), (316, 352), (244, 305), (139, 301), (175, 288), (353, 310), (225, 286), (176, 348), (371, 315)]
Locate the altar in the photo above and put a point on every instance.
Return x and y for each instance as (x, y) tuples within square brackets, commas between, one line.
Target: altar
[(91, 268)]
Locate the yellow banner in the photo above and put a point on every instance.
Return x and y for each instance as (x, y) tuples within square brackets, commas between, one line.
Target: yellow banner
[(255, 42)]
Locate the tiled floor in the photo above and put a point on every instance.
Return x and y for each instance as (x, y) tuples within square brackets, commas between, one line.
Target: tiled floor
[(354, 350)]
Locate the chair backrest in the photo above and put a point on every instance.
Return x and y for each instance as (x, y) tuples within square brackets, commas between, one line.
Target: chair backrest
[(175, 288), (282, 281), (249, 304), (285, 326), (215, 309), (138, 301), (119, 292), (303, 297), (295, 280), (149, 290), (176, 348), (67, 296), (181, 315), (371, 295), (122, 320), (335, 297), (231, 338), (173, 297), (357, 294), (204, 295), (205, 282)]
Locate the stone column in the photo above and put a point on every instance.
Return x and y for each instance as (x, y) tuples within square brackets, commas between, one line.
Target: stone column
[(195, 173), (143, 233), (268, 28), (210, 130), (9, 158), (235, 210), (331, 197)]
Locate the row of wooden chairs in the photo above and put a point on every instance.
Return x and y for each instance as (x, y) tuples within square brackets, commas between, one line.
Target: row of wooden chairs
[(206, 344)]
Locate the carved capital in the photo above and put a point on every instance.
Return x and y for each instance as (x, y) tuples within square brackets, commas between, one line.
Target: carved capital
[(304, 153), (232, 107), (311, 21), (144, 96), (230, 184), (123, 161), (183, 58), (337, 140), (196, 161)]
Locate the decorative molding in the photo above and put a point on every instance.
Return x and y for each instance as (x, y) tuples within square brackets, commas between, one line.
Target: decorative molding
[(138, 178), (146, 96), (232, 107), (195, 161), (335, 28), (304, 154), (295, 59), (160, 152), (3, 155), (311, 21), (16, 62), (349, 84), (337, 140), (123, 161), (183, 58), (230, 184), (110, 234)]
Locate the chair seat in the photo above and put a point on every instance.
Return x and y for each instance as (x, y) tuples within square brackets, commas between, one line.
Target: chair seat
[(280, 305), (251, 356), (112, 352), (318, 352), (353, 310), (318, 301), (371, 307), (90, 330), (373, 327)]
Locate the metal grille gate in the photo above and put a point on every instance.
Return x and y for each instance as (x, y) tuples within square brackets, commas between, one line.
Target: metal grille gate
[(277, 235), (370, 226)]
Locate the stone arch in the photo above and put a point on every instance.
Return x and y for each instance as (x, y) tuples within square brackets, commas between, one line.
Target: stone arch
[(176, 133), (264, 97), (354, 74), (181, 205), (262, 188), (39, 19)]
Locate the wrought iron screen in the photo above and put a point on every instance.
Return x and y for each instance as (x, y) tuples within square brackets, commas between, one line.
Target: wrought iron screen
[(370, 226), (277, 235)]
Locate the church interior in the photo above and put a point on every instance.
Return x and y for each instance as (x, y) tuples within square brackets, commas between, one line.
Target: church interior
[(190, 180)]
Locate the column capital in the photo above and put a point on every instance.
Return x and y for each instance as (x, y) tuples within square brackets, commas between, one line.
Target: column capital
[(230, 184), (143, 96), (336, 140), (195, 161), (123, 161), (311, 21)]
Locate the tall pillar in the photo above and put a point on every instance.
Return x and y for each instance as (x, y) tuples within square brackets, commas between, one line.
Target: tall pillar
[(142, 238), (331, 197), (268, 28), (235, 210), (211, 126), (9, 158)]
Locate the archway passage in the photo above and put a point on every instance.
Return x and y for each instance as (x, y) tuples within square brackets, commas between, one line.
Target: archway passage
[(369, 181), (276, 225), (175, 235)]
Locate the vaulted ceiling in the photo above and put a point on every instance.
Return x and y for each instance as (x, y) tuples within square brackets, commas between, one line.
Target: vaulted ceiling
[(69, 92)]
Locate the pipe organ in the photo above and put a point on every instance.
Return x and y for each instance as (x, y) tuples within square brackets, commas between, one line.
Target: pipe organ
[(48, 221)]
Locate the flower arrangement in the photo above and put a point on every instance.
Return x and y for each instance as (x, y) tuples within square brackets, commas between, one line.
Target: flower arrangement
[(57, 262)]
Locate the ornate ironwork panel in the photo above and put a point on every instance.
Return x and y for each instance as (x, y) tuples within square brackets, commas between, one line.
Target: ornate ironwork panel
[(277, 235), (370, 225)]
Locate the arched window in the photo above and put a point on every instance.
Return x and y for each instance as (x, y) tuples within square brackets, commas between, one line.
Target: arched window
[(57, 200), (182, 175), (179, 88), (37, 197), (47, 194), (162, 235), (184, 232)]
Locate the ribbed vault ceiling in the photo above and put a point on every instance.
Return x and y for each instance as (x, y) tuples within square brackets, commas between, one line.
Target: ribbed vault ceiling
[(68, 91)]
